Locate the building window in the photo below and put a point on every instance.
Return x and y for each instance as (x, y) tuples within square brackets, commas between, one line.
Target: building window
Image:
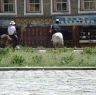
[(60, 6), (33, 7), (87, 5), (8, 7), (87, 35)]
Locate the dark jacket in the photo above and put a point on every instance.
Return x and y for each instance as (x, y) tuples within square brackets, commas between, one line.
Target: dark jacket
[(55, 28)]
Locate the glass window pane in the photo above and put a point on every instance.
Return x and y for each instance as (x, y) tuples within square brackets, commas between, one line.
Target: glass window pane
[(11, 8), (58, 0), (37, 7), (34, 1), (92, 5), (37, 1), (64, 0), (8, 1), (87, 0), (64, 6), (31, 1), (5, 8), (59, 7), (5, 1), (86, 5), (32, 7), (11, 1)]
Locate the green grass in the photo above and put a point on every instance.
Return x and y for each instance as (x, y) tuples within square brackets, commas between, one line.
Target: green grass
[(62, 57)]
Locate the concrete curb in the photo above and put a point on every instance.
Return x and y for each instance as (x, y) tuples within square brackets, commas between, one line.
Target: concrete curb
[(45, 68)]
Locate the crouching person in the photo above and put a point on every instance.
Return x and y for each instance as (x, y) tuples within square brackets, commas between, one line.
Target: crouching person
[(13, 34)]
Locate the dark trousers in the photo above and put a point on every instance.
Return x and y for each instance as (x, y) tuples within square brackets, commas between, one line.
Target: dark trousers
[(15, 38)]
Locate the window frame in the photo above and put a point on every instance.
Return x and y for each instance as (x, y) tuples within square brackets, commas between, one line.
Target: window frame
[(55, 13), (37, 13), (85, 10), (11, 13)]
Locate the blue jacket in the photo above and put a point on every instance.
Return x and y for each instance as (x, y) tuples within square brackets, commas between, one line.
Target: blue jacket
[(55, 27)]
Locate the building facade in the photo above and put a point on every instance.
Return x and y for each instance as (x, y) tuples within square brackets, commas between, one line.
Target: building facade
[(34, 17)]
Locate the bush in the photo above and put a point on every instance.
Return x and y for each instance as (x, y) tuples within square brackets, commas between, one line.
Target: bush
[(88, 50), (37, 59), (64, 49), (4, 51), (16, 59), (66, 59)]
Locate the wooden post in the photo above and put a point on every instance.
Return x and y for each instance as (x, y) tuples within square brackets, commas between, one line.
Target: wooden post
[(74, 36)]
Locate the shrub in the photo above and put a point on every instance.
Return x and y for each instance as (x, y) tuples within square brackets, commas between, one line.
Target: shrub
[(16, 59), (37, 59), (66, 59), (88, 50), (4, 51), (0, 59), (64, 49), (81, 61)]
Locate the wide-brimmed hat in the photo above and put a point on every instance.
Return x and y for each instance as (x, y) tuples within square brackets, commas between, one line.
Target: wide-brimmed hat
[(57, 20), (12, 22)]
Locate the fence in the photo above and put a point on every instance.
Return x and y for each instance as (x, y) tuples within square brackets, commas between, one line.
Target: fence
[(36, 36)]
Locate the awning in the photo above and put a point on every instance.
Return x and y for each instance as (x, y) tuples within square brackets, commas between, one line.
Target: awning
[(76, 20)]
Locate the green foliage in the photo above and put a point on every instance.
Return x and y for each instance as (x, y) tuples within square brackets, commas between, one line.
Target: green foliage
[(60, 50), (27, 56), (64, 49), (27, 49), (88, 50), (0, 59), (81, 61), (16, 59), (4, 51), (67, 59), (37, 59)]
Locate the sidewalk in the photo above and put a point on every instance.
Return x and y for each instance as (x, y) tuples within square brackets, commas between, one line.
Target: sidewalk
[(48, 82)]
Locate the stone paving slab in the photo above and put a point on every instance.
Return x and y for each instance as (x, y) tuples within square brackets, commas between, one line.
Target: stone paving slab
[(48, 82)]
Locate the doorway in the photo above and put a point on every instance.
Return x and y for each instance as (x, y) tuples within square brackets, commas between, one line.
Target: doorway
[(67, 36)]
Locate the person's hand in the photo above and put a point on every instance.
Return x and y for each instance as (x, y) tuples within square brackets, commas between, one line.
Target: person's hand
[(50, 30), (15, 36)]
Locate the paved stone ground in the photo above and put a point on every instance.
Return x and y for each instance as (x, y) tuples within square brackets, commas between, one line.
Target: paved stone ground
[(48, 82)]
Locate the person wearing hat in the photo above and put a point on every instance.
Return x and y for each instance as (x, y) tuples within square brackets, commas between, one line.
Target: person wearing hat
[(55, 27), (12, 33)]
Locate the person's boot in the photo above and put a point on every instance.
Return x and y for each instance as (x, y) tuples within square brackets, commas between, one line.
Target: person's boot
[(17, 47)]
